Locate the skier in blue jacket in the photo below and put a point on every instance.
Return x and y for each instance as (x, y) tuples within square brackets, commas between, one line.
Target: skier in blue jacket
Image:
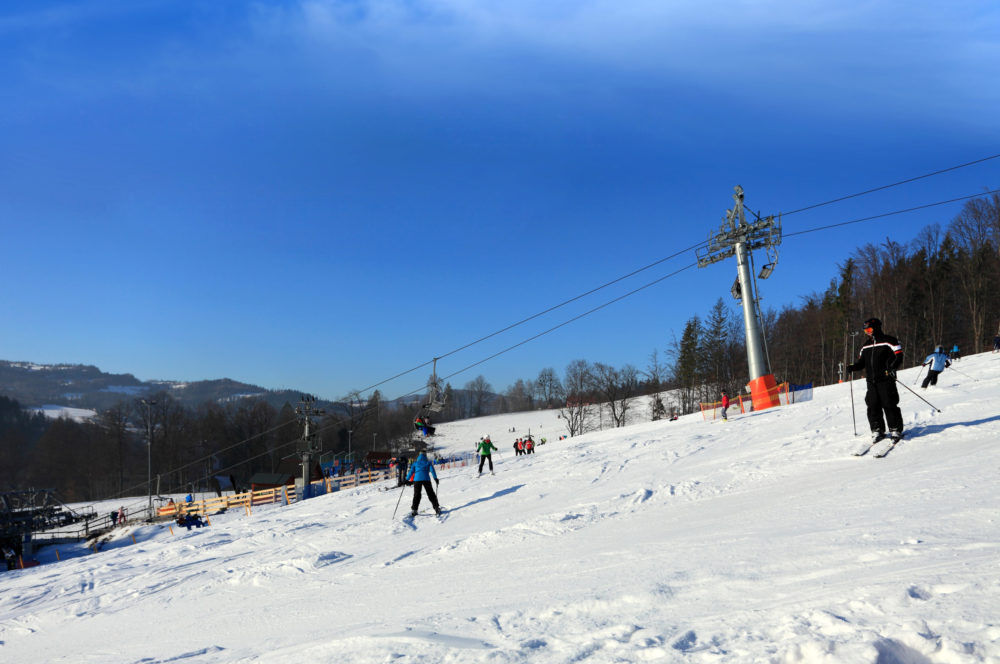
[(938, 361), (421, 472)]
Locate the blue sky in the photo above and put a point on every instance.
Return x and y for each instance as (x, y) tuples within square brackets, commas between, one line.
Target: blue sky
[(319, 195)]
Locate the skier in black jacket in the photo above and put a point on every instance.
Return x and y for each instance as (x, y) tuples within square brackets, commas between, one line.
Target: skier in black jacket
[(880, 356)]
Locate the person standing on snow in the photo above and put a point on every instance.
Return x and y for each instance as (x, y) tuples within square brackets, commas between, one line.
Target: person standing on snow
[(485, 448), (880, 356), (725, 404), (938, 361), (401, 465), (421, 472)]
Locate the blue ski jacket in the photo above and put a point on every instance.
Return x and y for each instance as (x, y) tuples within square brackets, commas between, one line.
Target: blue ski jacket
[(938, 361), (422, 470)]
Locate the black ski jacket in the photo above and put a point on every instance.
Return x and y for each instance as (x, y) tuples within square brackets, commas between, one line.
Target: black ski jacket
[(880, 357)]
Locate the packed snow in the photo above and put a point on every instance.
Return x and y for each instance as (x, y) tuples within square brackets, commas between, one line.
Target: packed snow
[(55, 412), (760, 539)]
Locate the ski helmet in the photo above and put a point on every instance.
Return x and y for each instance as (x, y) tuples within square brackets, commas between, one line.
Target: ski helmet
[(873, 323)]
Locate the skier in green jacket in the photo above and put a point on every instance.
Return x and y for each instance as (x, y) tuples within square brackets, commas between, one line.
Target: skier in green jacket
[(484, 448)]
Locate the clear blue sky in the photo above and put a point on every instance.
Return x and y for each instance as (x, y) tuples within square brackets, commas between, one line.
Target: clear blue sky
[(318, 195)]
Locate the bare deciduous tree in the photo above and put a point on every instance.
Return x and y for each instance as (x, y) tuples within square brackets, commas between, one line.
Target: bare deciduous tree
[(480, 391), (579, 409)]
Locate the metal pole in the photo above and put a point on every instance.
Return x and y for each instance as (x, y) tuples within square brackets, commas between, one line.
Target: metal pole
[(918, 373), (401, 490), (918, 396), (963, 373), (755, 353), (149, 452), (854, 419)]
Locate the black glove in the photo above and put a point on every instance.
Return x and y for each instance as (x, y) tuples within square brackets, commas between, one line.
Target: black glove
[(891, 373)]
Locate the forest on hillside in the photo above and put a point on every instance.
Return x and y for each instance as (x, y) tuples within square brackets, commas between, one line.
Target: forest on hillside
[(940, 289)]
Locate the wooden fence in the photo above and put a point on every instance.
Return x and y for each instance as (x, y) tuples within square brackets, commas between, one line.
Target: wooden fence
[(287, 494)]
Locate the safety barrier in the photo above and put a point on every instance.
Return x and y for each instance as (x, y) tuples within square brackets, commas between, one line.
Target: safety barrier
[(287, 494), (712, 410)]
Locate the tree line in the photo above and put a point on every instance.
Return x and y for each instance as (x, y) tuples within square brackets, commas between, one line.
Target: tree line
[(940, 289)]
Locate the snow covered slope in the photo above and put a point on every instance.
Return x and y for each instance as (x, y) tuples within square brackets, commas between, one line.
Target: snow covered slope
[(756, 540)]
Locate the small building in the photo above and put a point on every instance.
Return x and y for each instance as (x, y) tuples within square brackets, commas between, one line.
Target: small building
[(261, 481), (377, 460)]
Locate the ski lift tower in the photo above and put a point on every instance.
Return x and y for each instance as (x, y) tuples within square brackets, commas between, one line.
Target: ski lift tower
[(738, 238), (309, 445)]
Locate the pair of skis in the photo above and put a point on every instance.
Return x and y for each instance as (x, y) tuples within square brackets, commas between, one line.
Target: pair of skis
[(441, 517), (878, 447)]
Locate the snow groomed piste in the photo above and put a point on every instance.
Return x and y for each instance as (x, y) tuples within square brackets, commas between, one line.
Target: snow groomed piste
[(764, 540)]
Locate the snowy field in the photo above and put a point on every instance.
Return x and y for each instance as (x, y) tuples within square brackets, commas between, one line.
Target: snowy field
[(761, 539)]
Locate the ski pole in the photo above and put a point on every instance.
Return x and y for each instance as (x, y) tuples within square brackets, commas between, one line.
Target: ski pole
[(918, 396), (854, 421), (964, 374), (918, 373), (401, 490)]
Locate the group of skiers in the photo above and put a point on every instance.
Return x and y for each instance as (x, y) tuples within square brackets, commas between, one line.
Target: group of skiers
[(524, 445)]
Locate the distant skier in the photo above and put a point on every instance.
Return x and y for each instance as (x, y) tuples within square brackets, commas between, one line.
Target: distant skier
[(955, 355), (880, 356), (485, 449), (401, 465), (938, 361), (421, 472), (725, 404), (996, 343)]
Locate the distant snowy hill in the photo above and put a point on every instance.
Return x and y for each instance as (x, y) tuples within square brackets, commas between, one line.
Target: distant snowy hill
[(761, 539), (87, 387)]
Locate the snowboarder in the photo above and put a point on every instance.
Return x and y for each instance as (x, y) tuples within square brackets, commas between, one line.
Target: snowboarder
[(485, 448), (938, 362), (421, 472), (725, 404), (880, 356)]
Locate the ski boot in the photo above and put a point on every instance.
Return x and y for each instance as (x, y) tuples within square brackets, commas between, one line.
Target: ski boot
[(895, 435)]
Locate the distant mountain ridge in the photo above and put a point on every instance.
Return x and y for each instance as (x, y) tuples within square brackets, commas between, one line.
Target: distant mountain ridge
[(86, 386)]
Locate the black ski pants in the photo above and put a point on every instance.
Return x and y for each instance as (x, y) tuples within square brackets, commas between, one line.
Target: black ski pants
[(883, 397), (425, 485), (485, 457), (931, 378)]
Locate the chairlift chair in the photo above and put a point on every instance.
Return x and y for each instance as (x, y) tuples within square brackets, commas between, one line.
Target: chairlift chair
[(435, 396)]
